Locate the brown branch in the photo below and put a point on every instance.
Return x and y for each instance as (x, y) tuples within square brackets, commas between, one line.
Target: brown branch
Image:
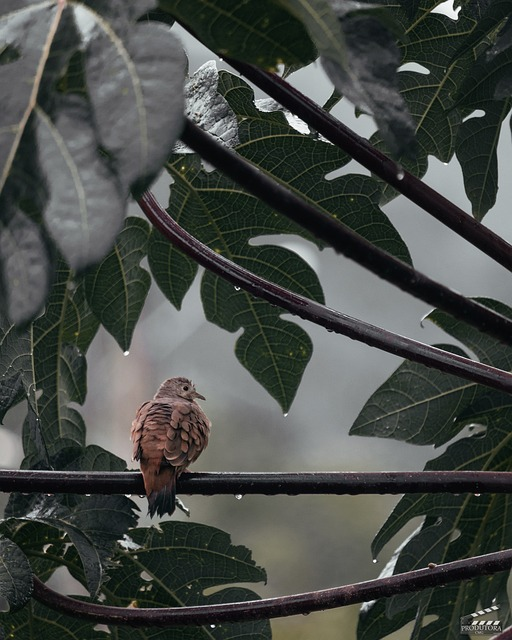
[(266, 483), (281, 606), (331, 319)]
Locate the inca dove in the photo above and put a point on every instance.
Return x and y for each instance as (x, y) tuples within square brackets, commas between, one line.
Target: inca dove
[(168, 433)]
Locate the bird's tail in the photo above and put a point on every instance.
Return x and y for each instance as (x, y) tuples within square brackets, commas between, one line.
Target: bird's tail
[(162, 498)]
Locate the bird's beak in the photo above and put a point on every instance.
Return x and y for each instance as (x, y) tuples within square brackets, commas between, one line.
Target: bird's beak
[(198, 395)]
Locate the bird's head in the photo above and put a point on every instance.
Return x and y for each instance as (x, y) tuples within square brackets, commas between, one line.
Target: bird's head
[(178, 387)]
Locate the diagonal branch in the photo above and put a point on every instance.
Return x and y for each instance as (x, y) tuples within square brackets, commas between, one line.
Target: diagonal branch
[(319, 314), (262, 483), (278, 607), (378, 163), (343, 239)]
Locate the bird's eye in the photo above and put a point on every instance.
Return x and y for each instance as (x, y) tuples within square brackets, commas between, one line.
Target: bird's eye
[(186, 387)]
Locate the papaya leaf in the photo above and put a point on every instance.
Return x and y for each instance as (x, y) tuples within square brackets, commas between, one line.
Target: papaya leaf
[(92, 525), (15, 575), (416, 404), (227, 219), (201, 567), (50, 625), (476, 149), (454, 527), (257, 31), (117, 288), (59, 367)]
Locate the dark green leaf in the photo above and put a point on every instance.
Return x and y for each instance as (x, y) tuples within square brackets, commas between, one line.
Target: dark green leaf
[(198, 559), (256, 31), (15, 575), (93, 525), (172, 270), (225, 218), (416, 404), (455, 527), (37, 621), (477, 145), (59, 367), (118, 286)]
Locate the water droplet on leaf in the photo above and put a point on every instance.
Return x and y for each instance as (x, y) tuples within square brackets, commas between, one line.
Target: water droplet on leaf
[(126, 353), (238, 496)]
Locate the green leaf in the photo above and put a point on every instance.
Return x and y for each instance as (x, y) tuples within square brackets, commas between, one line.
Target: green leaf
[(172, 270), (92, 525), (477, 145), (117, 288), (36, 620), (59, 368), (201, 568), (274, 350), (454, 527), (255, 31), (15, 575), (416, 404), (225, 218)]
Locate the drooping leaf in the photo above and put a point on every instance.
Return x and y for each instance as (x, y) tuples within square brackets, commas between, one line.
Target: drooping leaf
[(15, 575), (256, 31), (476, 150), (117, 288), (428, 87), (201, 567)]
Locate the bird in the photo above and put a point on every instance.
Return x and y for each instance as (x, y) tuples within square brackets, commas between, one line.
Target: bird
[(168, 434)]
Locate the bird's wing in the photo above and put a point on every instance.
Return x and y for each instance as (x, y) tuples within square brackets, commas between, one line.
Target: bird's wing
[(137, 430), (187, 433)]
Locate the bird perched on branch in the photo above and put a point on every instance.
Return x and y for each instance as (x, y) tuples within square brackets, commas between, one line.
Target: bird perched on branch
[(168, 434)]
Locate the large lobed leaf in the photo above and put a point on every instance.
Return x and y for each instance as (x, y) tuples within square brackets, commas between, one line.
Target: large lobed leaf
[(185, 564), (428, 407), (100, 100), (227, 219)]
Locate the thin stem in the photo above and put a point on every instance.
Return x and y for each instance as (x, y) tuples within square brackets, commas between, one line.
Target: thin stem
[(343, 239), (375, 161), (278, 607), (262, 483), (319, 314)]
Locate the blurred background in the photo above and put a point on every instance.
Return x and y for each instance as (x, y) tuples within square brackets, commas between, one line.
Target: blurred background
[(308, 542)]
